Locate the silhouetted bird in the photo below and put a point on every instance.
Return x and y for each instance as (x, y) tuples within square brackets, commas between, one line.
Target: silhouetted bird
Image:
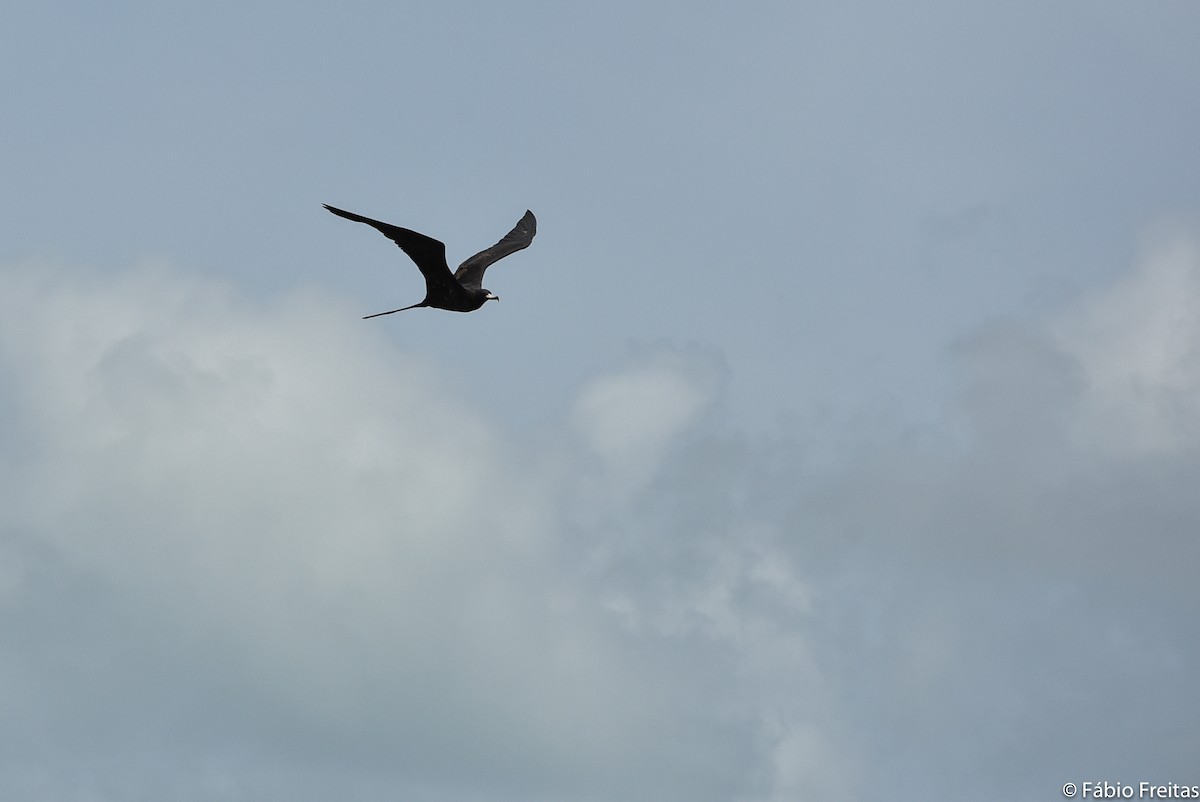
[(462, 290)]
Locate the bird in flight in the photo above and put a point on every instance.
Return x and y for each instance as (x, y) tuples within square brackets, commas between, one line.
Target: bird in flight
[(462, 290)]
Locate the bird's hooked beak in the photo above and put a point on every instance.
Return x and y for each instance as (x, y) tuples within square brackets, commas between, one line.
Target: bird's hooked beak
[(492, 297)]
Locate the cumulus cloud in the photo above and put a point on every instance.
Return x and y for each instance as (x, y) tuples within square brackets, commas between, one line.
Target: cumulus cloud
[(1026, 588), (628, 417), (262, 525), (1137, 344), (256, 551)]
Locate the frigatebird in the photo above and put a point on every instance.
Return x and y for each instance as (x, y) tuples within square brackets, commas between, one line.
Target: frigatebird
[(461, 291)]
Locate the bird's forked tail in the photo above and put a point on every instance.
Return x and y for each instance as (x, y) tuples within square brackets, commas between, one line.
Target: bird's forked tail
[(394, 311)]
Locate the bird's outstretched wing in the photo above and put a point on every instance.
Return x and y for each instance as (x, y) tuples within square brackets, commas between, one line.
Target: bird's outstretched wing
[(470, 272), (428, 253)]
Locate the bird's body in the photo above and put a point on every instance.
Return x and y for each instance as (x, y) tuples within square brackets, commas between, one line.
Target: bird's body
[(461, 291)]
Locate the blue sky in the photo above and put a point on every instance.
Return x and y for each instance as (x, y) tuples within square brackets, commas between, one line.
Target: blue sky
[(837, 436)]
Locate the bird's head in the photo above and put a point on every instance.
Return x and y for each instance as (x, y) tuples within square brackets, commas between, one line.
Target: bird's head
[(491, 296)]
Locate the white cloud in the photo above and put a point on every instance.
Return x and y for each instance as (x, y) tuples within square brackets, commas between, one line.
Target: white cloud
[(289, 536), (1138, 345), (630, 416), (256, 551)]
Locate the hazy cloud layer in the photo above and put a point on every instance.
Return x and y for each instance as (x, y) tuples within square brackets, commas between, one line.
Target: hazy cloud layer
[(254, 551)]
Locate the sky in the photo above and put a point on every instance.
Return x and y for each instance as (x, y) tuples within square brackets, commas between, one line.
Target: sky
[(837, 437)]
